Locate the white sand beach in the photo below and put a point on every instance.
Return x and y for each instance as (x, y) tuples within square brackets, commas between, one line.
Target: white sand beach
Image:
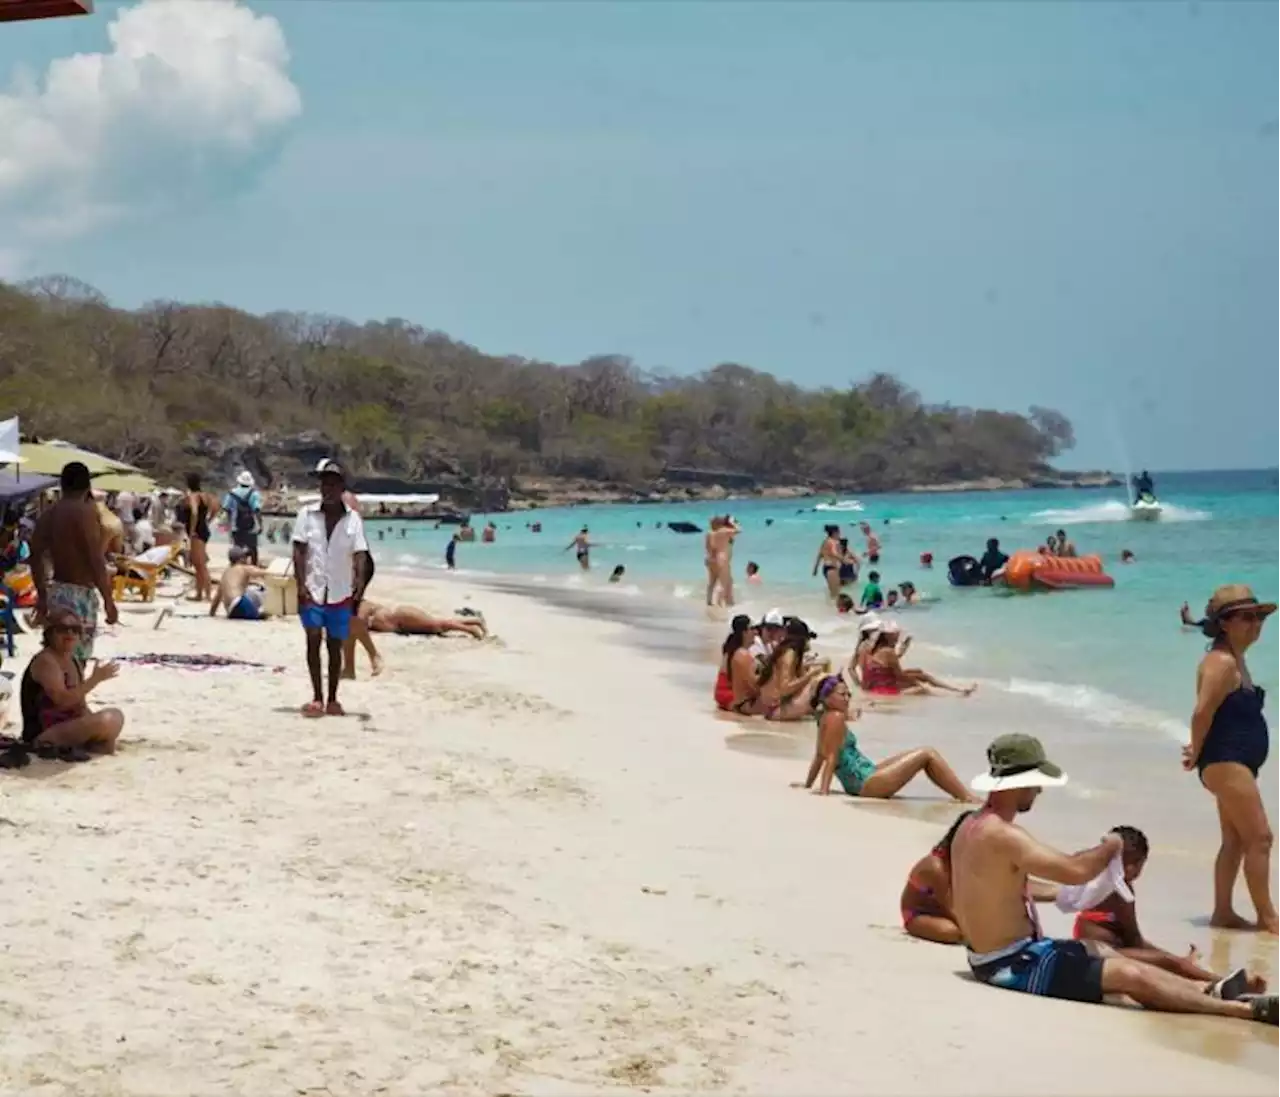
[(524, 866)]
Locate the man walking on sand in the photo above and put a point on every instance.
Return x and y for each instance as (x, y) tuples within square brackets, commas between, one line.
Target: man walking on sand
[(243, 506), (991, 860), (69, 534), (330, 560)]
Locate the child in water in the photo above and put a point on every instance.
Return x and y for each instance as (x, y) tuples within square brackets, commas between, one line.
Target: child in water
[(1114, 922), (618, 573), (872, 596), (753, 572)]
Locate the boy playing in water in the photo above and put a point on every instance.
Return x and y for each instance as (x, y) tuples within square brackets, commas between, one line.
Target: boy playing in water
[(1114, 922), (872, 596)]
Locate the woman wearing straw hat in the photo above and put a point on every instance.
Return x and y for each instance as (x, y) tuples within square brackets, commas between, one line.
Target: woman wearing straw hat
[(1229, 744)]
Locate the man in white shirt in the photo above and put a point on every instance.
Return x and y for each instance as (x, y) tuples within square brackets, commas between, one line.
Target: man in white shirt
[(330, 557)]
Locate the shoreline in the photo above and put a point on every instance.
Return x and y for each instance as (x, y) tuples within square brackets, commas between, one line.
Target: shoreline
[(526, 866)]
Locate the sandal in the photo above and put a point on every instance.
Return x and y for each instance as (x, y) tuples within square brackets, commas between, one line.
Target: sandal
[(73, 754), (313, 710)]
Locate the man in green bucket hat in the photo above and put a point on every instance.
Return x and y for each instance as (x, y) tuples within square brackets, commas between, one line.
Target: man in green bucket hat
[(991, 860)]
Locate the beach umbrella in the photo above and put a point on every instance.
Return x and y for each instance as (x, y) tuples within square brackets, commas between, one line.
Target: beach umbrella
[(136, 482), (47, 458), (14, 487), (9, 445)]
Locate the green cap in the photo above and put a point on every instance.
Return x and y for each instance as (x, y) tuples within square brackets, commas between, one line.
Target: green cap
[(1018, 761)]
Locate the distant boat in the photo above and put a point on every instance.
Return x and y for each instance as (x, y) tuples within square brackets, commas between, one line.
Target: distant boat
[(845, 505)]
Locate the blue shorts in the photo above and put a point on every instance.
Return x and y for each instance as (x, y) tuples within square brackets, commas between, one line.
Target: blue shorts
[(334, 620), (245, 609), (1043, 966)]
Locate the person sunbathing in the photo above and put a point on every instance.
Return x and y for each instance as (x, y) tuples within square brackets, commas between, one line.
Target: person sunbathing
[(786, 678), (836, 754), (413, 621), (1114, 922), (54, 693), (879, 670), (926, 898), (238, 589)]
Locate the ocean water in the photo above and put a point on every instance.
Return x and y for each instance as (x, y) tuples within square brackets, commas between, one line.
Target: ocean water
[(1105, 677)]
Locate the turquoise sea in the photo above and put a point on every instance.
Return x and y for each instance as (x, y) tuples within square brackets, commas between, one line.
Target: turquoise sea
[(1105, 677)]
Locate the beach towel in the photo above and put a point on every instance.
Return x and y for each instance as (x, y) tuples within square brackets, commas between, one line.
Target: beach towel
[(1073, 898), (194, 661)]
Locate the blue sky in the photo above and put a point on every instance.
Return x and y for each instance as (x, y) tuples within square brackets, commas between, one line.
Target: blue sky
[(1069, 205)]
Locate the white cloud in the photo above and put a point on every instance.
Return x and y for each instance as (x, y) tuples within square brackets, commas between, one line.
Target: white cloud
[(192, 99)]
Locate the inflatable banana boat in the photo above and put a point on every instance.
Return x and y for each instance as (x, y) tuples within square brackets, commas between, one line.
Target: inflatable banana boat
[(1036, 571)]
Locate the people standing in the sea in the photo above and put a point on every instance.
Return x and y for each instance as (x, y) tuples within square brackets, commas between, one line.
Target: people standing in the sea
[(1229, 744), (709, 560), (992, 860), (829, 559), (328, 549), (993, 560), (68, 568), (836, 755), (848, 563), (451, 552), (719, 560), (873, 542), (581, 545), (200, 506), (243, 507), (1066, 547), (489, 534)]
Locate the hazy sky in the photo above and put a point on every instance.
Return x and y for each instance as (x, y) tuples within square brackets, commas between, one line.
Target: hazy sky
[(1063, 204)]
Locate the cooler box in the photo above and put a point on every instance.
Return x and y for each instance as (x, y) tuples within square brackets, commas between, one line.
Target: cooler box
[(281, 599)]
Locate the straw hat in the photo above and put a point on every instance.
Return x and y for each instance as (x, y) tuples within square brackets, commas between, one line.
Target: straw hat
[(1235, 596)]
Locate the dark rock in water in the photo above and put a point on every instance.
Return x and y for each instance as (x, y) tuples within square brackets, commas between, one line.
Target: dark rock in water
[(684, 527)]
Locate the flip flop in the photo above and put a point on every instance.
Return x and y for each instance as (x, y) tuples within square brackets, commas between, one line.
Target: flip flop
[(74, 754), (1265, 1009), (1230, 988), (313, 710), (334, 709)]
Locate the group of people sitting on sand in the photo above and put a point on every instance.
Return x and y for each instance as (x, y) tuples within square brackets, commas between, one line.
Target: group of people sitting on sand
[(980, 884)]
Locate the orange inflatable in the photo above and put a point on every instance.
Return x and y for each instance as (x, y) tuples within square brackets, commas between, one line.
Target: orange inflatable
[(1038, 571)]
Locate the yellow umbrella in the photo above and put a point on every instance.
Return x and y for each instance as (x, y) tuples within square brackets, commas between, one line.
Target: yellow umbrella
[(136, 482), (42, 457)]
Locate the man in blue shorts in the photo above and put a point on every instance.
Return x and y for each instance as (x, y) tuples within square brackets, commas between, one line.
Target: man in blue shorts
[(330, 561), (991, 860)]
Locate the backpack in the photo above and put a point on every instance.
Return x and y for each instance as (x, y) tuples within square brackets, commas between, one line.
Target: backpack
[(245, 521)]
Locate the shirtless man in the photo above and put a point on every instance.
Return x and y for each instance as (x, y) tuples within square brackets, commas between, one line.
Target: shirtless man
[(991, 860), (233, 592), (412, 621), (69, 534), (581, 545), (1066, 547)]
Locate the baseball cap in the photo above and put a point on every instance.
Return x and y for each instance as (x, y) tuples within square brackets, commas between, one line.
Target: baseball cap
[(327, 466), (775, 618)]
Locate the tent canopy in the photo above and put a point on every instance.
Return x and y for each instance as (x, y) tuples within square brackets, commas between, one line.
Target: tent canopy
[(13, 488), (48, 458)]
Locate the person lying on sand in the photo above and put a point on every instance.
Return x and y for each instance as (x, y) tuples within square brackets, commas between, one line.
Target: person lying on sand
[(878, 667), (926, 898), (413, 621), (1114, 922), (236, 591), (836, 754), (992, 859), (54, 693)]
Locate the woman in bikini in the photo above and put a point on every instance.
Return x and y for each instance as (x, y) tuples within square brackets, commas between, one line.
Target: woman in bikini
[(785, 685), (836, 755), (879, 669), (828, 559), (736, 689), (1229, 744), (55, 717)]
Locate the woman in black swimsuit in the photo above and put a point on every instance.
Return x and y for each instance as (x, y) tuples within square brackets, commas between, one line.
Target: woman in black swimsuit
[(199, 507), (1229, 744)]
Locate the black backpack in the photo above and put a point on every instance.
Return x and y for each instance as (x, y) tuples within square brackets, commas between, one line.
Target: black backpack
[(245, 519)]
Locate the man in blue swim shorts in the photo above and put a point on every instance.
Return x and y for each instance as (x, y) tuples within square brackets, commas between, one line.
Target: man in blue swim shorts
[(236, 592), (330, 560), (991, 860)]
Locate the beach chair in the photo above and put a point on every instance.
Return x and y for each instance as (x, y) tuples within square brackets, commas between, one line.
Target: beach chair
[(138, 576)]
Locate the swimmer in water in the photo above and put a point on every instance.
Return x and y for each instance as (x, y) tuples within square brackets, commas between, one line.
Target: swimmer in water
[(581, 545), (753, 572), (618, 573)]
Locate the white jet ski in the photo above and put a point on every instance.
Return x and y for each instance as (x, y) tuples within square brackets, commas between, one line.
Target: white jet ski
[(845, 505), (1145, 508)]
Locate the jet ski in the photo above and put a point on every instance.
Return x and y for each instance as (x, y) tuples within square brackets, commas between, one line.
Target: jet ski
[(1145, 508), (840, 505)]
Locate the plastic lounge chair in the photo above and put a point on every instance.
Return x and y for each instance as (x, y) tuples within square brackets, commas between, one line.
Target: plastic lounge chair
[(137, 576)]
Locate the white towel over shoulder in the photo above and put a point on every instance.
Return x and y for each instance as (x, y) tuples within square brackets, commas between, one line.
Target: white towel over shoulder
[(1073, 898)]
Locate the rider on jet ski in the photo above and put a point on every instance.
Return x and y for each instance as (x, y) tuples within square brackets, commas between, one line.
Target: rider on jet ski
[(1143, 488)]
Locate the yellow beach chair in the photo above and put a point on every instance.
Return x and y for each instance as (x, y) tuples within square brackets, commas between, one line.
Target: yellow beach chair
[(137, 576)]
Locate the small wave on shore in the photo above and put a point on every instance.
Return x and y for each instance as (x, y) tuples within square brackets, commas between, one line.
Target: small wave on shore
[(1095, 706)]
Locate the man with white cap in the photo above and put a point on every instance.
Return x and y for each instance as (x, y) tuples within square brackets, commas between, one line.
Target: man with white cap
[(243, 506), (991, 860), (769, 632)]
